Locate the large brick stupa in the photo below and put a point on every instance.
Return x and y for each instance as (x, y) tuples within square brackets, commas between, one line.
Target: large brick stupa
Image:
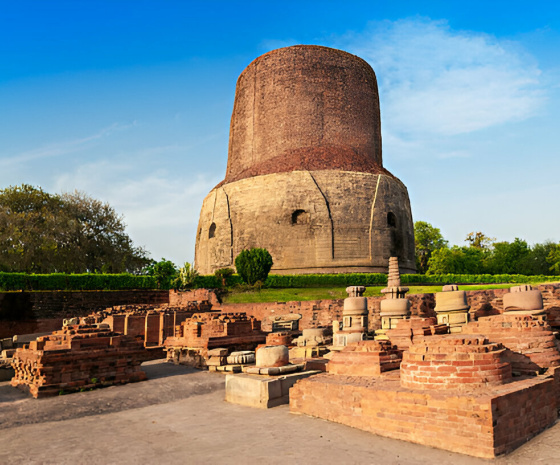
[(305, 176)]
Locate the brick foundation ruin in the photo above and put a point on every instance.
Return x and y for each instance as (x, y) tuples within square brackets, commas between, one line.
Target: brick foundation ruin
[(195, 336), (454, 392), (77, 358)]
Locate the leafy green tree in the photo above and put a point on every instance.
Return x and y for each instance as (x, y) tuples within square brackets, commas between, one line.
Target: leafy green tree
[(456, 260), (479, 240), (427, 239), (509, 257), (553, 259), (164, 271), (73, 233), (537, 260), (253, 265)]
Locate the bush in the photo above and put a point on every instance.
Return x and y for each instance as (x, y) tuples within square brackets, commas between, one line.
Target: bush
[(223, 274), (74, 282), (253, 265), (164, 272), (187, 277)]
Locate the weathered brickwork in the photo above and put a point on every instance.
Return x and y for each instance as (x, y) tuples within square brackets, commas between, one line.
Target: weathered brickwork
[(33, 312), (305, 176), (453, 361), (75, 358), (365, 358), (198, 335), (530, 340), (152, 324), (483, 423), (403, 335)]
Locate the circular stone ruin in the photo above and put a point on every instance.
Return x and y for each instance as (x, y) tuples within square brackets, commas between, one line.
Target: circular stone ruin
[(272, 356), (453, 362)]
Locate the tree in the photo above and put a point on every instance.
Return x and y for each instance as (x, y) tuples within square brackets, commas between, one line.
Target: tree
[(253, 265), (509, 257), (427, 239), (456, 260), (538, 259), (479, 240), (554, 259), (164, 271), (72, 233)]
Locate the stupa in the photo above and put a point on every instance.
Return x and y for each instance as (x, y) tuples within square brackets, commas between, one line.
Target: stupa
[(305, 176)]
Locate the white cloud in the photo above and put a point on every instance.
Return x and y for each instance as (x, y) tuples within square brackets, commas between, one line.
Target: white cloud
[(435, 81), (160, 208), (63, 147)]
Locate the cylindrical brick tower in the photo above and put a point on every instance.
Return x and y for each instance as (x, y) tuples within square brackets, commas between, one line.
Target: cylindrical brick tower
[(305, 176)]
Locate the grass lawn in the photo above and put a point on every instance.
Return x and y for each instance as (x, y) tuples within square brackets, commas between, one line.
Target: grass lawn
[(327, 293)]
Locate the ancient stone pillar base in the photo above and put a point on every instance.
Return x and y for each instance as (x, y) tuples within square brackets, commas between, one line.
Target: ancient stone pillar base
[(523, 300), (392, 310), (354, 318), (452, 308)]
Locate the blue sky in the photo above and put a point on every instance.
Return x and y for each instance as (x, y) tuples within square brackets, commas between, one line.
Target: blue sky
[(130, 102)]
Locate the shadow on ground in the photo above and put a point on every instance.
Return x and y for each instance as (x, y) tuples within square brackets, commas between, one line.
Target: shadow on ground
[(166, 383)]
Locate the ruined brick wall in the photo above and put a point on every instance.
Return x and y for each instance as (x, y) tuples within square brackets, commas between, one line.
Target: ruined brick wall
[(321, 313), (182, 298), (31, 312)]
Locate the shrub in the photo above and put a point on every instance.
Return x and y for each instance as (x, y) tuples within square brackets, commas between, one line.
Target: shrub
[(253, 265), (223, 274), (164, 272), (187, 277), (74, 282)]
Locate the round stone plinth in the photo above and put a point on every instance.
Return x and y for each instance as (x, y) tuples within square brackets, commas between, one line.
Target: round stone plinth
[(394, 307), (453, 362), (451, 301), (523, 301), (272, 356)]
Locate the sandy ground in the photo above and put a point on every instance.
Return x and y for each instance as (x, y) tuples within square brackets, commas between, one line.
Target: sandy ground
[(179, 416)]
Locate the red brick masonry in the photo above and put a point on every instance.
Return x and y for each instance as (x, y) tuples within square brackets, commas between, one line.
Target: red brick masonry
[(453, 362), (365, 358), (77, 357), (483, 423), (530, 341)]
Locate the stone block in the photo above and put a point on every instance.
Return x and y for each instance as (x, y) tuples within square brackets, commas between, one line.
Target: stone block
[(262, 391)]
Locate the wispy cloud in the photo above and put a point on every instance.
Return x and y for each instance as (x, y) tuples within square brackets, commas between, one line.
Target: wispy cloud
[(64, 147), (436, 81), (160, 208)]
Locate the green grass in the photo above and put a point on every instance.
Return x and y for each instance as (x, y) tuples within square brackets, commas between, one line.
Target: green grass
[(324, 293)]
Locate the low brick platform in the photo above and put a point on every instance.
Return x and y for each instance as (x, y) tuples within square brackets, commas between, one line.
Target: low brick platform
[(484, 423), (407, 329), (529, 339), (453, 361), (365, 358), (77, 358), (196, 336)]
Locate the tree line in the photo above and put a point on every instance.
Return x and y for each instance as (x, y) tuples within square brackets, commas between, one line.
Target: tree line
[(63, 233), (482, 254)]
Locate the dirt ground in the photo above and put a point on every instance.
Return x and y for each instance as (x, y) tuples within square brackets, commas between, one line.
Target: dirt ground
[(179, 416)]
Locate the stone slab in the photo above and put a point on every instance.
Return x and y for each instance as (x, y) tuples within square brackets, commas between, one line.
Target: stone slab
[(262, 391)]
